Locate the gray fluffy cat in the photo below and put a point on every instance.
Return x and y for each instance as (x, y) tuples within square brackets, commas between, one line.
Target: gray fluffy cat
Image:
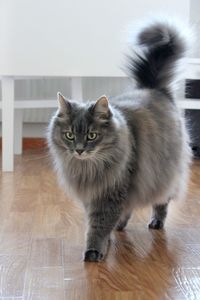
[(132, 151)]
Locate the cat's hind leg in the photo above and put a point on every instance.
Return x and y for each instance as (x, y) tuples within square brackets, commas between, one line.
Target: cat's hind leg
[(123, 220), (158, 216)]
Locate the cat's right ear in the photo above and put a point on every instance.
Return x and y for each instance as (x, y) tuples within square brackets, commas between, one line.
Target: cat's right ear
[(64, 106)]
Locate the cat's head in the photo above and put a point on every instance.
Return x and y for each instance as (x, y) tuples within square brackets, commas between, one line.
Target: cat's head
[(84, 131)]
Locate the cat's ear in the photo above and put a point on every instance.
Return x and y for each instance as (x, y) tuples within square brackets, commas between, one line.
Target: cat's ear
[(64, 106), (101, 108)]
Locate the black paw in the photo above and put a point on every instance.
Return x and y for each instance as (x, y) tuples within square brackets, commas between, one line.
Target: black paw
[(156, 224), (93, 255)]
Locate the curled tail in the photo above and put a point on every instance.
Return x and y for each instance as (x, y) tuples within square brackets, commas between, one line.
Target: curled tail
[(161, 46)]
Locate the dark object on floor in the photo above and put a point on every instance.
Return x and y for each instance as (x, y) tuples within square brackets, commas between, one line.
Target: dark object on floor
[(193, 120), (192, 90)]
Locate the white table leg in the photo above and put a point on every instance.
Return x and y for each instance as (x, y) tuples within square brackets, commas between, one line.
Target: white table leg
[(7, 124), (18, 128), (76, 88)]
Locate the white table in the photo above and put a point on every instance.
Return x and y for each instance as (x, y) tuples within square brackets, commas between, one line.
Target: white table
[(63, 38)]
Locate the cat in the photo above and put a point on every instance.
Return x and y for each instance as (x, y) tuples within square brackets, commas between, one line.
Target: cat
[(130, 151)]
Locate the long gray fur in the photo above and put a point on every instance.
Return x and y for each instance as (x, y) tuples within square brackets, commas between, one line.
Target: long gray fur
[(141, 155)]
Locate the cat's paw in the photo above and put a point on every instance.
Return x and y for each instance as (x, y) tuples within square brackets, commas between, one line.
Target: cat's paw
[(156, 224), (93, 255), (120, 226)]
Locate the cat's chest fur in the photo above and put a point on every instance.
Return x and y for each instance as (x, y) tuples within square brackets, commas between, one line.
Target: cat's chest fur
[(86, 181)]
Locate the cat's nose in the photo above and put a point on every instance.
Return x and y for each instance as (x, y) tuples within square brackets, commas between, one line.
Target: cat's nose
[(79, 151)]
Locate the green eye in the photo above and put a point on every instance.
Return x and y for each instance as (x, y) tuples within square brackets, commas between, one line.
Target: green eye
[(69, 135), (91, 136)]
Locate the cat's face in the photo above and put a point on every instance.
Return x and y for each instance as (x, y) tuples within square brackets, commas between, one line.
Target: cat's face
[(84, 131)]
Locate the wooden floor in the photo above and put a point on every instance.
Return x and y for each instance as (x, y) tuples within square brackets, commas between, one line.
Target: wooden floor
[(42, 241)]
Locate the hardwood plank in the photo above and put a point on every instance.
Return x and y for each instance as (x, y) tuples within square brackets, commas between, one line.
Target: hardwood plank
[(11, 298), (12, 275), (18, 222), (29, 182), (118, 295), (58, 221), (188, 282), (48, 222), (41, 281), (15, 244), (45, 294), (6, 196), (25, 200), (90, 289), (44, 278), (46, 252)]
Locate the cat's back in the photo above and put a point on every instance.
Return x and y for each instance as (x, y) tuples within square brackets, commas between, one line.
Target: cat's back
[(149, 109), (155, 123)]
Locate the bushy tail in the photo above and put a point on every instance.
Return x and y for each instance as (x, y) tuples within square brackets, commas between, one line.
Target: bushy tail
[(161, 45)]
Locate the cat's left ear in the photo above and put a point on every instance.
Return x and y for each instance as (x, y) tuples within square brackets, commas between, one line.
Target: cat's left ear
[(64, 106), (101, 108)]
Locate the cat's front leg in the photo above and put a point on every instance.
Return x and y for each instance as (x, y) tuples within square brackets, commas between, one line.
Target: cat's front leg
[(103, 217)]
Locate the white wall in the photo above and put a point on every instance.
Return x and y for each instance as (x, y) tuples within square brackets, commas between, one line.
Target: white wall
[(195, 22), (72, 37)]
